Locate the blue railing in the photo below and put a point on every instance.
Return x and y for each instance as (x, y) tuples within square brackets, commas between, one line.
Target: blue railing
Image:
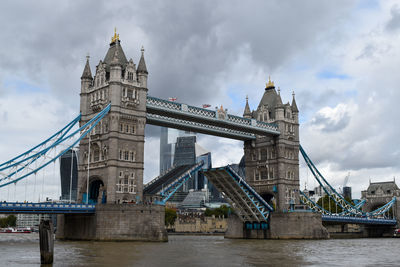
[(358, 220), (45, 208)]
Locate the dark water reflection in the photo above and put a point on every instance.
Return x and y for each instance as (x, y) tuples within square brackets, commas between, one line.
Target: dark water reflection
[(23, 250)]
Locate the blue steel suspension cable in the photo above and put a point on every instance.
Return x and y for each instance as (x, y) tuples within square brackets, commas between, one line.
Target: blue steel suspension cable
[(66, 129), (91, 124), (314, 170), (41, 153), (376, 212)]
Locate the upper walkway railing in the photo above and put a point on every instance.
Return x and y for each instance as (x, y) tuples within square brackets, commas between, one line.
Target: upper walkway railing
[(215, 121)]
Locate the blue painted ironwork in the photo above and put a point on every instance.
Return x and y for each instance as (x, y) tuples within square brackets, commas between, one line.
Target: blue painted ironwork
[(349, 210), (329, 190), (10, 163), (261, 205), (187, 125), (358, 220), (83, 131), (168, 191), (186, 113), (45, 208), (304, 199), (249, 205)]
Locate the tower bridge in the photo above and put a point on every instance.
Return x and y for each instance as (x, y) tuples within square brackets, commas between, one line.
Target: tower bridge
[(114, 110)]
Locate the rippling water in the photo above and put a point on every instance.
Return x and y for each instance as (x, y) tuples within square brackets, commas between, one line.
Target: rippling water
[(23, 250)]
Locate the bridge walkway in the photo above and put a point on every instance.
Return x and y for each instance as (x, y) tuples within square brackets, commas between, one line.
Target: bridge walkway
[(46, 208)]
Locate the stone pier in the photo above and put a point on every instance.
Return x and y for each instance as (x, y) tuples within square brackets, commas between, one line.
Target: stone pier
[(293, 225), (115, 222)]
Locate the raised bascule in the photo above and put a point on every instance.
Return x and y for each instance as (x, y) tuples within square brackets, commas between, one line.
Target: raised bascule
[(114, 204)]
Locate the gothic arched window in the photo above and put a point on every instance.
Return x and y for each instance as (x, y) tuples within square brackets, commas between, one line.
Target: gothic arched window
[(96, 153)]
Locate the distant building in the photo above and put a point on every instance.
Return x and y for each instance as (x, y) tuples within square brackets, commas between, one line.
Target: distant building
[(378, 194), (69, 175), (168, 139), (347, 192), (26, 220)]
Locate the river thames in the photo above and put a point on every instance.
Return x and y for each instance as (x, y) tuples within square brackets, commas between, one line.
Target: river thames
[(23, 250)]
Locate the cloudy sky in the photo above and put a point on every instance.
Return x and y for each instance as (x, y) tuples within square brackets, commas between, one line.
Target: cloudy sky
[(340, 58)]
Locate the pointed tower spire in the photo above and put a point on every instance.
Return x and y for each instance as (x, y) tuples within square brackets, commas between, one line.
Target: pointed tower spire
[(87, 73), (294, 105), (142, 64), (247, 112), (279, 102)]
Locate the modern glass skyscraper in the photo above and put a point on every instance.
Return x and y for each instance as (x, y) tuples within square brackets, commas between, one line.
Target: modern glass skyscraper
[(66, 172), (168, 139)]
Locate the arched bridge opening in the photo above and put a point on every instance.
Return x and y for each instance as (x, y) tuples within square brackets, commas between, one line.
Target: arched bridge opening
[(94, 190)]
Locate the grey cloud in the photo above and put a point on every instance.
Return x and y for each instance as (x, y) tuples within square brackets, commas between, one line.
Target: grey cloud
[(329, 125), (394, 23), (190, 45), (191, 48), (368, 52), (5, 116)]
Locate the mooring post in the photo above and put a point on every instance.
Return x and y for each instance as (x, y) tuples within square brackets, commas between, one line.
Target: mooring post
[(46, 239)]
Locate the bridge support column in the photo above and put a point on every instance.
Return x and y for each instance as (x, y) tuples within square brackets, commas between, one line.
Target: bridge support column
[(297, 225), (377, 231), (293, 225), (237, 229), (115, 222)]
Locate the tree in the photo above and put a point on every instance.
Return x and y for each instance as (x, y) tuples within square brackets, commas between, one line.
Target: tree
[(12, 220), (222, 211), (329, 204), (170, 216), (9, 221)]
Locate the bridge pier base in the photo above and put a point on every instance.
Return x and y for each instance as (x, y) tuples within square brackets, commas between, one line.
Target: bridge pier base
[(293, 225), (377, 230), (115, 222)]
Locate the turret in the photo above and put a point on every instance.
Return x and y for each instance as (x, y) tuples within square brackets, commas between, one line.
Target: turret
[(247, 112), (86, 78), (116, 65), (142, 71), (295, 110), (86, 82), (279, 108)]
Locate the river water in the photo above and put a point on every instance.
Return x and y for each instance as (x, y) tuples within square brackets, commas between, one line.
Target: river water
[(23, 250)]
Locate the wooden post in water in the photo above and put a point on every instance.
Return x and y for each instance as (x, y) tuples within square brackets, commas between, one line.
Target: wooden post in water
[(46, 239)]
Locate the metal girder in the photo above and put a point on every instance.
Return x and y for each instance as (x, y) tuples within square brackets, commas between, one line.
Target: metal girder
[(188, 113), (222, 187), (187, 125), (171, 188), (248, 203), (238, 196)]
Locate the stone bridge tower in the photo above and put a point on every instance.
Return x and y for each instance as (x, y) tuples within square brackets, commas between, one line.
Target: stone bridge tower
[(115, 159), (272, 163)]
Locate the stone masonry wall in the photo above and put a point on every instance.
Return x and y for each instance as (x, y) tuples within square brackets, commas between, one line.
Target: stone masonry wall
[(115, 222)]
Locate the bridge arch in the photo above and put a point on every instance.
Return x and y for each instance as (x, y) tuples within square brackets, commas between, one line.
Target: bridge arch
[(96, 189), (269, 197)]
